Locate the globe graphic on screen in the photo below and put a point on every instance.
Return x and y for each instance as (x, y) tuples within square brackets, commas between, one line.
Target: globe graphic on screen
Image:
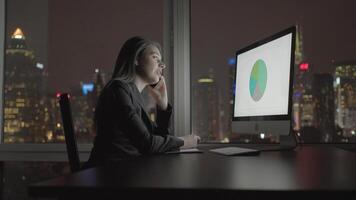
[(258, 80)]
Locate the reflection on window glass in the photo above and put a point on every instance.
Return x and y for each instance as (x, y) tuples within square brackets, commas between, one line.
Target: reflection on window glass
[(64, 46), (324, 89)]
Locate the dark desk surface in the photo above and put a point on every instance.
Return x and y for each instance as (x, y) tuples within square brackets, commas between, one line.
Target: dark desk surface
[(306, 169)]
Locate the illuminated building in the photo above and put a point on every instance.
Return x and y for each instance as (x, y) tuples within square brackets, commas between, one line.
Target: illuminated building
[(53, 119), (345, 98), (206, 115), (299, 52), (307, 110), (99, 82), (83, 118), (94, 88), (24, 106), (82, 111), (302, 97), (324, 111)]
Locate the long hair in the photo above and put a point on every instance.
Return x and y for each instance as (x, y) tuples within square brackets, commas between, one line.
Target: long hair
[(125, 69), (133, 48)]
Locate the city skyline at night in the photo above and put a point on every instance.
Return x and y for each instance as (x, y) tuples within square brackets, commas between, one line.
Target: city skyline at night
[(51, 19), (68, 53), (216, 128)]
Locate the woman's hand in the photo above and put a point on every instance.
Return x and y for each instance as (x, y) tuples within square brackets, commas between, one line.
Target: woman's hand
[(159, 93), (190, 141)]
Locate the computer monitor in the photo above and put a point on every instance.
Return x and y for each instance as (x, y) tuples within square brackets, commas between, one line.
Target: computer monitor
[(262, 102)]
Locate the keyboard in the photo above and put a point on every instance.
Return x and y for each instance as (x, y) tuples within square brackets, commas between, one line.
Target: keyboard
[(232, 151)]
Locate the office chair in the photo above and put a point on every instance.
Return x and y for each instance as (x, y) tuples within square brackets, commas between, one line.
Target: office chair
[(71, 141)]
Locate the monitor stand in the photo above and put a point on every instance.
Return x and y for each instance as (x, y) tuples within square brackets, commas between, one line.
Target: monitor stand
[(286, 142)]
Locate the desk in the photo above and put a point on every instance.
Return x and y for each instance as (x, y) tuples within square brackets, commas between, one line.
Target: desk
[(307, 169)]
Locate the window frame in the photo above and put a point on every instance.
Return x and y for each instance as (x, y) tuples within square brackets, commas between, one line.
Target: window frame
[(2, 62), (182, 100)]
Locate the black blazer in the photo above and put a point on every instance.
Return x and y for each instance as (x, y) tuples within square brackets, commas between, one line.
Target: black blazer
[(124, 129)]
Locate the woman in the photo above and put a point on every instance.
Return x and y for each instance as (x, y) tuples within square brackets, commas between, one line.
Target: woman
[(123, 127)]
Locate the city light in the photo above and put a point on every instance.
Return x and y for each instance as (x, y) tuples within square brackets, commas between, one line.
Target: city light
[(298, 94), (232, 61), (205, 80), (225, 140), (39, 65), (49, 136), (304, 66), (87, 87), (262, 136), (18, 34)]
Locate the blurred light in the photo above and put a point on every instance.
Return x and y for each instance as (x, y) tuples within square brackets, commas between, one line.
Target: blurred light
[(18, 34), (58, 94), (232, 61), (225, 140), (298, 94), (58, 125), (205, 80), (96, 70), (87, 87), (49, 136), (60, 138), (39, 65), (337, 80), (304, 66), (262, 135), (17, 37), (353, 132)]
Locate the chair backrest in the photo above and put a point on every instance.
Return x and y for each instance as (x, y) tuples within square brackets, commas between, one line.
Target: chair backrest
[(69, 134)]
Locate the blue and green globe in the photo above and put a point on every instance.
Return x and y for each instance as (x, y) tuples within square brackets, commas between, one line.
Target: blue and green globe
[(258, 80)]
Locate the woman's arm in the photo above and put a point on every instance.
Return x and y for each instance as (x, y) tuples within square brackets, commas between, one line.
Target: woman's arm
[(135, 128), (163, 121)]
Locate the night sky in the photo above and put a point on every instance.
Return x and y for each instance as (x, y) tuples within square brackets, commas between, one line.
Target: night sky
[(73, 38)]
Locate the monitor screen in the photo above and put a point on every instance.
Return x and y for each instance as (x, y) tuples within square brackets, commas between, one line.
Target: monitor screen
[(262, 102), (262, 79)]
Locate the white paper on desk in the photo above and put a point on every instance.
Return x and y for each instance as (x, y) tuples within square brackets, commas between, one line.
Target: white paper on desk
[(190, 150)]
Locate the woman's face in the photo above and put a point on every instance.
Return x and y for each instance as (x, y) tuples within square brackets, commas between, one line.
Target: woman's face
[(151, 65)]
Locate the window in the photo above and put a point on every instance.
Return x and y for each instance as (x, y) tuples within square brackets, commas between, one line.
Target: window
[(325, 68), (64, 46), (55, 46)]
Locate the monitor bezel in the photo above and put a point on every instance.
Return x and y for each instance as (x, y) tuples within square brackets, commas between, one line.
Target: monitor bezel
[(290, 30)]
